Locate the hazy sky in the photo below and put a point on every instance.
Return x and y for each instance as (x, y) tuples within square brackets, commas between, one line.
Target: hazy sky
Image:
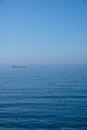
[(43, 31)]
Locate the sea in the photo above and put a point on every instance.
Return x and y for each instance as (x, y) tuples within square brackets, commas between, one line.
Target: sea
[(43, 97)]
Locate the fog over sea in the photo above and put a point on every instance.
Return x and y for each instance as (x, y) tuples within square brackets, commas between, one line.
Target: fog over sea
[(43, 97)]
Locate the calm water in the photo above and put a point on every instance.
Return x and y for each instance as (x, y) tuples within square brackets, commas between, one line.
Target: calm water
[(43, 97)]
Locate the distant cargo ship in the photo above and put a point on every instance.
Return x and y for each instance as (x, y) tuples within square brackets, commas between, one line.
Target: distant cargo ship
[(18, 66)]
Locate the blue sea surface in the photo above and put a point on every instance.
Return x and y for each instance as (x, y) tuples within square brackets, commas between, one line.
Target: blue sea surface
[(43, 97)]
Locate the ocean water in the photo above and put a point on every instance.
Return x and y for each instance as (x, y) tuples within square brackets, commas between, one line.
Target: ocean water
[(43, 97)]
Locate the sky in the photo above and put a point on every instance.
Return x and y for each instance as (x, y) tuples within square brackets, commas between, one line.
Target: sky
[(43, 31)]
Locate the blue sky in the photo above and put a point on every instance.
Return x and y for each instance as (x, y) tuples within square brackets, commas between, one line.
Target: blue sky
[(43, 31)]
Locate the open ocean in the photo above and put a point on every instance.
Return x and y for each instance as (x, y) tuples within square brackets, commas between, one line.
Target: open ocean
[(43, 97)]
